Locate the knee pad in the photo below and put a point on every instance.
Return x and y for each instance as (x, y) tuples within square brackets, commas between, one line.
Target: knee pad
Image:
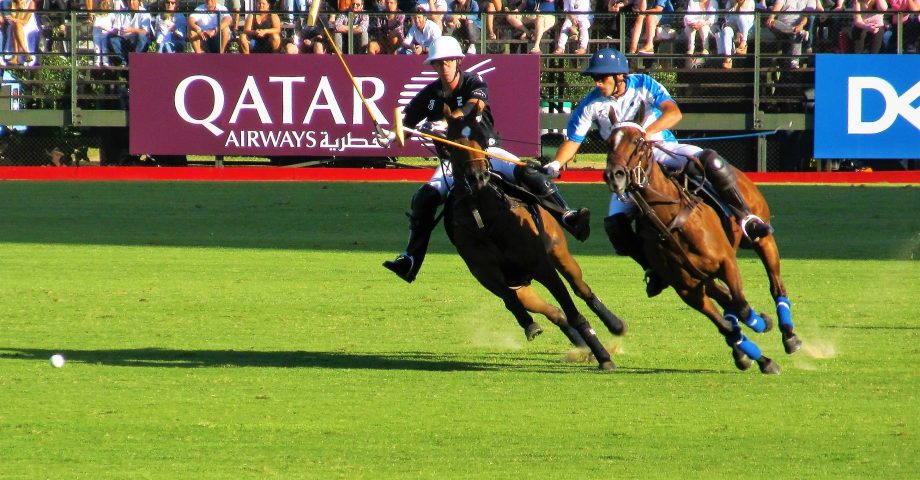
[(536, 182), (718, 170)]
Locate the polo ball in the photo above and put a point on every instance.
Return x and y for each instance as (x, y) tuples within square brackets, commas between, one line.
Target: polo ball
[(57, 361)]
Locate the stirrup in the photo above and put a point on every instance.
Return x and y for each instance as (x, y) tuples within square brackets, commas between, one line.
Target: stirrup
[(754, 228), (581, 227), (402, 266), (654, 284)]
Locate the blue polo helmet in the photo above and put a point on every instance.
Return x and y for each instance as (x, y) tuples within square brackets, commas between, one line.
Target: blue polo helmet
[(608, 61)]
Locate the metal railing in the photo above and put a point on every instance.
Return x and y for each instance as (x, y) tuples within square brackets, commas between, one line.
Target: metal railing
[(69, 87)]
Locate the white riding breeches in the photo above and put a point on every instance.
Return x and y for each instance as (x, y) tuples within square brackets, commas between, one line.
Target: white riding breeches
[(675, 162), (443, 177)]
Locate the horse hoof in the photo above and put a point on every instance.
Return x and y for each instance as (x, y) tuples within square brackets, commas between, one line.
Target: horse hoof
[(742, 361), (533, 331), (768, 322), (768, 367), (607, 366), (618, 329), (791, 342)]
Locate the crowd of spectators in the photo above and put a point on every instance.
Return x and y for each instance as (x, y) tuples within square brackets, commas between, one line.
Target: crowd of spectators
[(721, 28)]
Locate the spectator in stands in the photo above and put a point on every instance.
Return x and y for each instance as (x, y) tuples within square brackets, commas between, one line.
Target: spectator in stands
[(521, 32), (103, 26), (132, 31), (22, 32), (464, 21), (238, 12), (870, 26), (577, 19), (170, 29), (357, 28), (421, 34), (699, 19), (788, 24), (4, 12), (542, 23), (387, 32), (55, 23), (736, 30), (491, 7), (909, 22), (436, 7), (650, 16), (262, 30), (309, 39), (209, 28)]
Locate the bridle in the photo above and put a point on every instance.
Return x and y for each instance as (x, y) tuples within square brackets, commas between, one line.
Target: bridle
[(637, 175)]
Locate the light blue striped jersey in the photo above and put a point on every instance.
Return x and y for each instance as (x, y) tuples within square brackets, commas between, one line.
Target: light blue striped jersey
[(595, 109)]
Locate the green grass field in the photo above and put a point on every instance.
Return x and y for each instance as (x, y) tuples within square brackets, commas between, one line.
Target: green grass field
[(224, 330)]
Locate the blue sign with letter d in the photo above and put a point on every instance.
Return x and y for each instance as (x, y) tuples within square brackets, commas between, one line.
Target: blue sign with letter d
[(867, 106)]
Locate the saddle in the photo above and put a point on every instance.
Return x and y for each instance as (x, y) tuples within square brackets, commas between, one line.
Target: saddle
[(702, 190), (509, 194)]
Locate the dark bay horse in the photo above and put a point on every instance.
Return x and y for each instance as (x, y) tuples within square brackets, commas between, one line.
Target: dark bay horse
[(688, 245), (505, 247)]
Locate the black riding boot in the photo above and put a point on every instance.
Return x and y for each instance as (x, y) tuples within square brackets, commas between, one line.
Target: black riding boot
[(723, 178), (421, 222), (627, 243), (577, 222)]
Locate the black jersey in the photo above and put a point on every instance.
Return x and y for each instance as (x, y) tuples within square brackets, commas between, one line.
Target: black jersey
[(429, 103)]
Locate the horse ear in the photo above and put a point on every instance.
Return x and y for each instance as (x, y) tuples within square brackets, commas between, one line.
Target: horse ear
[(613, 116)]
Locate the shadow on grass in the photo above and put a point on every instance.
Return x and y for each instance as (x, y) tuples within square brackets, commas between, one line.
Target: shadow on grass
[(418, 361), (811, 221)]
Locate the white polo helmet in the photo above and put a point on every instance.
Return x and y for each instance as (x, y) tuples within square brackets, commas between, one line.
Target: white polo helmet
[(444, 48)]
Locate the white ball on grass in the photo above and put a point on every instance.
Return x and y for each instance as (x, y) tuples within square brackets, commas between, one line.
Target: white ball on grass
[(57, 360)]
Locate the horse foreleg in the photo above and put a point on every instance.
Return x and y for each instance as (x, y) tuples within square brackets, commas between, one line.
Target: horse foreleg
[(565, 263), (769, 255), (739, 308), (743, 350), (547, 276), (534, 303)]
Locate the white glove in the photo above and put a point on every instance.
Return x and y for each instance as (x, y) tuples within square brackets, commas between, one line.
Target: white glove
[(438, 126), (552, 169), (385, 138)]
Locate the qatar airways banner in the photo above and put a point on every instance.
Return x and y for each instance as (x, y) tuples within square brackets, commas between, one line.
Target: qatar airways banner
[(305, 105)]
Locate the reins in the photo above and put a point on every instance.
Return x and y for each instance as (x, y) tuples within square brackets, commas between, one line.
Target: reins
[(639, 179)]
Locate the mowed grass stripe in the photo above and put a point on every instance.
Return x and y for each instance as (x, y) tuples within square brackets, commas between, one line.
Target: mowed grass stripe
[(248, 330)]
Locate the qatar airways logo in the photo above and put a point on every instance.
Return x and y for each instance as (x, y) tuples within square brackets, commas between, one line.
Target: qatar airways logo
[(895, 105), (295, 95)]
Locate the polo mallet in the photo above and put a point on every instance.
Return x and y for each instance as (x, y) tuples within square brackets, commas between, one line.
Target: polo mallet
[(401, 130), (311, 21)]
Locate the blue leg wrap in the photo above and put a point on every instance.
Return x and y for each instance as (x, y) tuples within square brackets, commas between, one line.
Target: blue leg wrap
[(748, 347), (784, 311), (754, 321)]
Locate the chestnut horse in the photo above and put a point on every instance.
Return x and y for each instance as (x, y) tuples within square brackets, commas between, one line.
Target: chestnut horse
[(688, 245), (506, 244)]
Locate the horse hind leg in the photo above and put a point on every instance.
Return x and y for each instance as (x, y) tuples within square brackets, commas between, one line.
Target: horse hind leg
[(535, 304), (494, 281), (769, 255)]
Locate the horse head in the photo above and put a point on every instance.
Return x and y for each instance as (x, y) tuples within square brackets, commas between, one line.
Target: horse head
[(628, 153), (470, 168)]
